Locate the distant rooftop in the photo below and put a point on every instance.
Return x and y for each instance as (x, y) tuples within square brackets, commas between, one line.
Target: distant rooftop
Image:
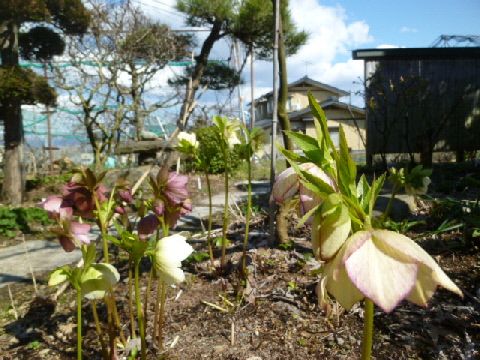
[(417, 53), (309, 82)]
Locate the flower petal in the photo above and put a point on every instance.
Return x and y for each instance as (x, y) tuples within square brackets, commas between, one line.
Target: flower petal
[(429, 270), (331, 228), (286, 186), (384, 276), (169, 253), (147, 226), (338, 283)]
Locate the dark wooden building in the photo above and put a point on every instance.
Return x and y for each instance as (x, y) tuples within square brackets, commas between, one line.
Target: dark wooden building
[(421, 100)]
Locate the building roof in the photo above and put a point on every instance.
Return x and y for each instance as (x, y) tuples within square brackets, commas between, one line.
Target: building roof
[(307, 82), (417, 53), (326, 105)]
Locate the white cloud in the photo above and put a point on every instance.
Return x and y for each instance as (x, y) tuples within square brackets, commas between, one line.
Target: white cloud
[(406, 29), (327, 55)]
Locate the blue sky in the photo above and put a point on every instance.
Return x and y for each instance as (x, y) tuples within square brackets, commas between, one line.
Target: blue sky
[(337, 27), (413, 23)]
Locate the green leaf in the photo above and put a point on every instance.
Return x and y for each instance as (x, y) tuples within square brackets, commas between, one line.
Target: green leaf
[(97, 280), (322, 127), (220, 240), (346, 167), (58, 276), (89, 254), (308, 145), (376, 188), (307, 216)]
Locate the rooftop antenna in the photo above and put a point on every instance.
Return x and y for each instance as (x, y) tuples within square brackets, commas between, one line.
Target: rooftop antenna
[(307, 63), (456, 41)]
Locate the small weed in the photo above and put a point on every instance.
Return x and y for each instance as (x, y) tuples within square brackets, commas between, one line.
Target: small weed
[(287, 246), (196, 257), (34, 345)]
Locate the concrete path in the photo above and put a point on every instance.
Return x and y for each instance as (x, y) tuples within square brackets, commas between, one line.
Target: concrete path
[(17, 262)]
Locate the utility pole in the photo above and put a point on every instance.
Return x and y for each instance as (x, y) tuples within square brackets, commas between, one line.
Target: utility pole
[(236, 60), (274, 119), (252, 87)]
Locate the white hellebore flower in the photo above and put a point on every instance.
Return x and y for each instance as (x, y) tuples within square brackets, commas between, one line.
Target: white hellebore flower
[(385, 267), (169, 254), (189, 138)]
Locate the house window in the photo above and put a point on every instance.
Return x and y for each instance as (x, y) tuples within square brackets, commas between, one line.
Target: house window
[(335, 136), (289, 104), (269, 107)]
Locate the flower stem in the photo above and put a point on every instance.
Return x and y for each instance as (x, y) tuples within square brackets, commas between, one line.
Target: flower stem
[(79, 324), (390, 203), (140, 312), (161, 315), (99, 330), (367, 330), (130, 300), (225, 211), (247, 218), (210, 220)]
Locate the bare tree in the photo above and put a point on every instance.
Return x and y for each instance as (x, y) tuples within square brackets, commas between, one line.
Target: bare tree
[(111, 72)]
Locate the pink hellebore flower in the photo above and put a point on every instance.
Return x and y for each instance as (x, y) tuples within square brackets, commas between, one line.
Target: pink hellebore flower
[(173, 214), (147, 226), (125, 195), (176, 188), (81, 198), (288, 184), (55, 207), (72, 234), (385, 267)]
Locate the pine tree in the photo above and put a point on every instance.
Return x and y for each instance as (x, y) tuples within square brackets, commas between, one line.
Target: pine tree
[(31, 29)]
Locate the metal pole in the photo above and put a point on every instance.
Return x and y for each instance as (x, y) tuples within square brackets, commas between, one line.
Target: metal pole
[(236, 57), (49, 128), (274, 118), (252, 87)]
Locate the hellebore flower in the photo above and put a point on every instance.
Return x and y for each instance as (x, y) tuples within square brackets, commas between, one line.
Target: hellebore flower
[(158, 207), (330, 228), (169, 254), (189, 138), (72, 234), (385, 267), (172, 186), (147, 226), (55, 207), (125, 195), (81, 198), (173, 214), (288, 184)]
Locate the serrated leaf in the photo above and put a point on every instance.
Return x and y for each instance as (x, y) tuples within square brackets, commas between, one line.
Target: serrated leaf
[(307, 216), (308, 145), (347, 169), (319, 114)]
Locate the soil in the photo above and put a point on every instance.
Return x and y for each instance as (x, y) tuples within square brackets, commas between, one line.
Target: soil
[(275, 316)]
